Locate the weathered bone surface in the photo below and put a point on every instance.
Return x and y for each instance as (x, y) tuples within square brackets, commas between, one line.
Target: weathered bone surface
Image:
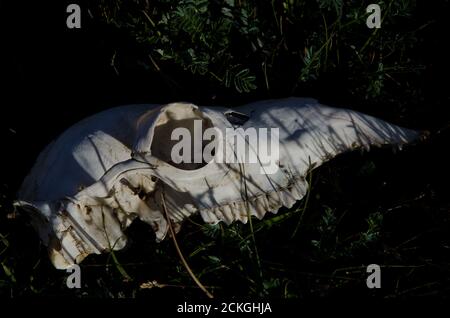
[(107, 170)]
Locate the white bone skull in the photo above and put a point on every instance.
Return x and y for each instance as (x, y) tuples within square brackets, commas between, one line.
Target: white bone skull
[(90, 184)]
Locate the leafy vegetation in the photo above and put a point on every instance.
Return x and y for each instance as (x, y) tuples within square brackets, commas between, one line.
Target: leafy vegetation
[(257, 45)]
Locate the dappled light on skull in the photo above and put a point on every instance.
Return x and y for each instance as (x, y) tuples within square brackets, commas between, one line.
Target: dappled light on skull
[(161, 153)]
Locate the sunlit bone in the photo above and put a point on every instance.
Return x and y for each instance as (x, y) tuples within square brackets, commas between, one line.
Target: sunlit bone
[(109, 169)]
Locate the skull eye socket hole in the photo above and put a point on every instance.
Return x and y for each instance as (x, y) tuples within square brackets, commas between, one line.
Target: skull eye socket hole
[(186, 118)]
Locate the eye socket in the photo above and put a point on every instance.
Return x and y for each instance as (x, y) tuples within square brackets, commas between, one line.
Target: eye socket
[(163, 143), (236, 118)]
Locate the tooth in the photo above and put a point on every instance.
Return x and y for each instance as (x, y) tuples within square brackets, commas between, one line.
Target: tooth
[(235, 212), (227, 213), (274, 200), (287, 199), (208, 216)]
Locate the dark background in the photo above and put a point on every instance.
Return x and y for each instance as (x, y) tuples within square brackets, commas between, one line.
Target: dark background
[(51, 77)]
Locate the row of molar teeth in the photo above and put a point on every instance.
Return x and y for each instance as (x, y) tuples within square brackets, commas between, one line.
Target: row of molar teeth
[(73, 249), (257, 206)]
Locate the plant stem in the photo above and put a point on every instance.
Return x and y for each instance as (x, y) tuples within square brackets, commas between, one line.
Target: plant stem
[(180, 254)]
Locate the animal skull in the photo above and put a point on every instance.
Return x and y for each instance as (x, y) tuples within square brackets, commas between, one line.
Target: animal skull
[(109, 169)]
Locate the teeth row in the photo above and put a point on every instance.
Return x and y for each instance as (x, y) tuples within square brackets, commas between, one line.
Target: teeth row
[(77, 235), (257, 206), (73, 246), (76, 245)]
